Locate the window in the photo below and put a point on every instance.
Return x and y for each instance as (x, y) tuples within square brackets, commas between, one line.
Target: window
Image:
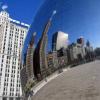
[(1, 71), (4, 44), (4, 98), (4, 47), (2, 56), (1, 65)]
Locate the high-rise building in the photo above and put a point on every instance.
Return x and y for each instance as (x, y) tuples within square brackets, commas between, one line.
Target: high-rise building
[(52, 61), (27, 71), (62, 57), (89, 52), (80, 41), (29, 59), (40, 59), (55, 60), (12, 35), (59, 40)]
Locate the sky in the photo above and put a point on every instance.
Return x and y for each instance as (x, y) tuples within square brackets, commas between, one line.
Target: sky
[(22, 10)]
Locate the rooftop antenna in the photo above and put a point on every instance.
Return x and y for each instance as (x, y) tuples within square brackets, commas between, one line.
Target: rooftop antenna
[(54, 12), (49, 22)]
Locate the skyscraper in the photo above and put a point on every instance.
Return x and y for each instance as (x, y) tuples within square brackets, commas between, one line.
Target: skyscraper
[(12, 35), (40, 60), (29, 59), (27, 71), (89, 52), (80, 41), (59, 40)]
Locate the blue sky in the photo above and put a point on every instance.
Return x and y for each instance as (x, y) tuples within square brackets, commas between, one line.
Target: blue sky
[(23, 10)]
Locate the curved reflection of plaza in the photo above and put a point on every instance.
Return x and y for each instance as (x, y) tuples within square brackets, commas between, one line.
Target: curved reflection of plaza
[(67, 38)]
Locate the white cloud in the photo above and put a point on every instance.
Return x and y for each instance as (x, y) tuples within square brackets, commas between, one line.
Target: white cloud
[(4, 7)]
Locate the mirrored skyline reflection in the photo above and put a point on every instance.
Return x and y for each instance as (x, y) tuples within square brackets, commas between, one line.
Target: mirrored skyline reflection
[(75, 17)]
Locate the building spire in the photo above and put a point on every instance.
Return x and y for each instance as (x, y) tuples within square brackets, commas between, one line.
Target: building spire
[(54, 12), (49, 23)]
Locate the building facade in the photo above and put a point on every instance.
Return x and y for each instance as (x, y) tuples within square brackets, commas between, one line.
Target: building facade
[(40, 59), (89, 52), (27, 71), (12, 35), (29, 59), (59, 40), (52, 60), (62, 57), (76, 53)]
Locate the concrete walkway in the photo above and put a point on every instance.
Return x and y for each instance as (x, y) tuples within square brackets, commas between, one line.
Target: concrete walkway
[(41, 84), (79, 83)]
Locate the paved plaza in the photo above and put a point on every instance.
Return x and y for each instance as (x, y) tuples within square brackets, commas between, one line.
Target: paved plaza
[(79, 83)]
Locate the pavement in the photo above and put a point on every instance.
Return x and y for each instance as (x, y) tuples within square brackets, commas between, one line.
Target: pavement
[(78, 83), (45, 81)]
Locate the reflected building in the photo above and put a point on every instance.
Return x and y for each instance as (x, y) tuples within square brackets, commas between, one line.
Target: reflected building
[(27, 71), (24, 79), (59, 46), (59, 40), (55, 60), (76, 52), (89, 52), (97, 53), (62, 57), (81, 48), (80, 41), (50, 62), (29, 59), (40, 61)]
